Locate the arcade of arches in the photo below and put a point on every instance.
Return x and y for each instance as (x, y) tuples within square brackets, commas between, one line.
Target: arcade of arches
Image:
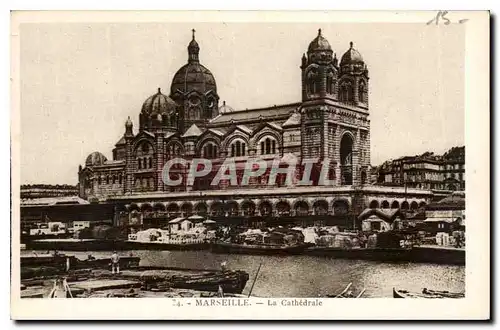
[(395, 204), (243, 208)]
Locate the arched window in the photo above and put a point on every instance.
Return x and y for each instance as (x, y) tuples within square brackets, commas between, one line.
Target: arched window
[(120, 179), (99, 180), (346, 92), (150, 162), (139, 163), (361, 92), (238, 148), (114, 179), (268, 146), (329, 85), (210, 151), (107, 179), (312, 86)]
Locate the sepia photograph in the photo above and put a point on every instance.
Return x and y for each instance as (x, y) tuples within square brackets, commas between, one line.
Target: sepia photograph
[(230, 162)]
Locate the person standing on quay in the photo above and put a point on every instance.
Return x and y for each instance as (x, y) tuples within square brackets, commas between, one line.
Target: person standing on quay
[(115, 263)]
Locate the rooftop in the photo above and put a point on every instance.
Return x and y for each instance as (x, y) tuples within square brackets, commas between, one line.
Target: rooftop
[(54, 201)]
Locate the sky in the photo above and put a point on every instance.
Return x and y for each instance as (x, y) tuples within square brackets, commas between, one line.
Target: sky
[(80, 82)]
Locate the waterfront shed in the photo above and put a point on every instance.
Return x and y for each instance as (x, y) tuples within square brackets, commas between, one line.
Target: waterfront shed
[(175, 224), (186, 225), (446, 215), (380, 219)]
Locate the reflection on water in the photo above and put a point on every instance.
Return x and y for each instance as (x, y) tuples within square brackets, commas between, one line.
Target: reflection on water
[(309, 276)]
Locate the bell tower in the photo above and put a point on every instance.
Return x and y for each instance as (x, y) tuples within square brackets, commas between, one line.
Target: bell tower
[(334, 121), (319, 79)]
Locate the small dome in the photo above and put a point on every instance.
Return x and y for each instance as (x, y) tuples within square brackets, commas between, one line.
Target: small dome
[(352, 56), (225, 108), (158, 104), (319, 44), (95, 158)]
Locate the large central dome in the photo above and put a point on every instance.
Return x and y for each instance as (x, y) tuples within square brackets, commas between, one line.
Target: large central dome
[(193, 76)]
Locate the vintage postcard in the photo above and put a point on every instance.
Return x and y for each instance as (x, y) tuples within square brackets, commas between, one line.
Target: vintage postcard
[(250, 165)]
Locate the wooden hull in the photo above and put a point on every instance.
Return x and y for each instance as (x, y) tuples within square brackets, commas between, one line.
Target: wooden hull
[(74, 245), (361, 254), (431, 295), (438, 255), (105, 263), (165, 278), (131, 245), (45, 260), (231, 248), (415, 254), (230, 282), (46, 266)]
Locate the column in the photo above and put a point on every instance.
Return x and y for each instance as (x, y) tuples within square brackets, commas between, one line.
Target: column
[(160, 161), (129, 166)]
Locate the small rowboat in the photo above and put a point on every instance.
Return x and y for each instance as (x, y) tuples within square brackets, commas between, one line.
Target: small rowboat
[(346, 293), (428, 294)]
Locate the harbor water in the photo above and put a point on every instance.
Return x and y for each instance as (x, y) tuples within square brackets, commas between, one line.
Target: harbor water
[(310, 276)]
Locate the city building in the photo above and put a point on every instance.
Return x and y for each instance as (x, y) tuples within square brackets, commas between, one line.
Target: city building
[(30, 191), (446, 215), (426, 171), (453, 169), (330, 124)]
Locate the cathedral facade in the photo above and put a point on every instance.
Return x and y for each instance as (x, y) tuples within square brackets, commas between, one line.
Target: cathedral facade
[(330, 123)]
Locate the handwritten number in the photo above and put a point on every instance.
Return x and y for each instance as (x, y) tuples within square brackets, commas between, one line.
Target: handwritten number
[(442, 15)]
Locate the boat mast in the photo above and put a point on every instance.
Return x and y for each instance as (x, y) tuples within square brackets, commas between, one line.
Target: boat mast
[(254, 280)]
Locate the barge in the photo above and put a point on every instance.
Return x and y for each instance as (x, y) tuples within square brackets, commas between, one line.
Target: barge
[(233, 248)]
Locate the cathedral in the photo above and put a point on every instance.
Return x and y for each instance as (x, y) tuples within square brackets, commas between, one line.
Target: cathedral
[(330, 122)]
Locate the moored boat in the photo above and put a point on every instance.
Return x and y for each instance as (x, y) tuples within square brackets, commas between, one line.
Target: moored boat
[(347, 293), (379, 254), (191, 245), (73, 244), (43, 265), (97, 272), (44, 259), (428, 294), (229, 281), (259, 249)]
